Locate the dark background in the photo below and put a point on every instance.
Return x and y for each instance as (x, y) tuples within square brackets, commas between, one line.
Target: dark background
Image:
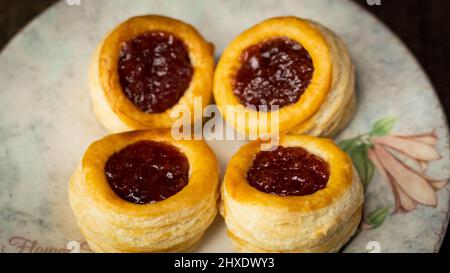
[(423, 25)]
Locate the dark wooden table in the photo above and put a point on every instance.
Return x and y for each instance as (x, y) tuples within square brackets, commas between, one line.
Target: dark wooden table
[(423, 25)]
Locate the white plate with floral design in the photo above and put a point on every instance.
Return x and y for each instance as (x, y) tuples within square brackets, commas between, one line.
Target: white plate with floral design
[(398, 137)]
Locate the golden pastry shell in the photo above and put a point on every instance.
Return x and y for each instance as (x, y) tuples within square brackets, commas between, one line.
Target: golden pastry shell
[(340, 179), (119, 113), (296, 29), (203, 176)]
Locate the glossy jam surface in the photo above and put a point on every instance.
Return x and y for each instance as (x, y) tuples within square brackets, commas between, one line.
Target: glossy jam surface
[(147, 172), (154, 71), (288, 171), (275, 72)]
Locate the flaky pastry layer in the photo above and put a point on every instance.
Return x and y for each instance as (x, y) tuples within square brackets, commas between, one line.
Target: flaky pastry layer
[(114, 110), (266, 222), (110, 223), (328, 102)]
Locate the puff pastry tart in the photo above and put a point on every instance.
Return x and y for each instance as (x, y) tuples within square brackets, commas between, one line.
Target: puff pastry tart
[(146, 69), (295, 64), (142, 191), (302, 196)]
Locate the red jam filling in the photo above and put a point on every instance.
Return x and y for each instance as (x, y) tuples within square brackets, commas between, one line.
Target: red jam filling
[(147, 172), (154, 71), (275, 72), (288, 171)]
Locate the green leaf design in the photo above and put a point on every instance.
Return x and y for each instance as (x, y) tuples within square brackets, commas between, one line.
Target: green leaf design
[(383, 126), (377, 217), (347, 144), (359, 146), (370, 171), (362, 163)]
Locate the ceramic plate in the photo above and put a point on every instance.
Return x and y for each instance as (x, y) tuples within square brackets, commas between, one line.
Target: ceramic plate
[(46, 121)]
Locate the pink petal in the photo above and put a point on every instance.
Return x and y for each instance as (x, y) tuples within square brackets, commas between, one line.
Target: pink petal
[(406, 203), (411, 148), (403, 203), (411, 183), (430, 133), (373, 157), (423, 165), (426, 177), (429, 138), (437, 185)]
